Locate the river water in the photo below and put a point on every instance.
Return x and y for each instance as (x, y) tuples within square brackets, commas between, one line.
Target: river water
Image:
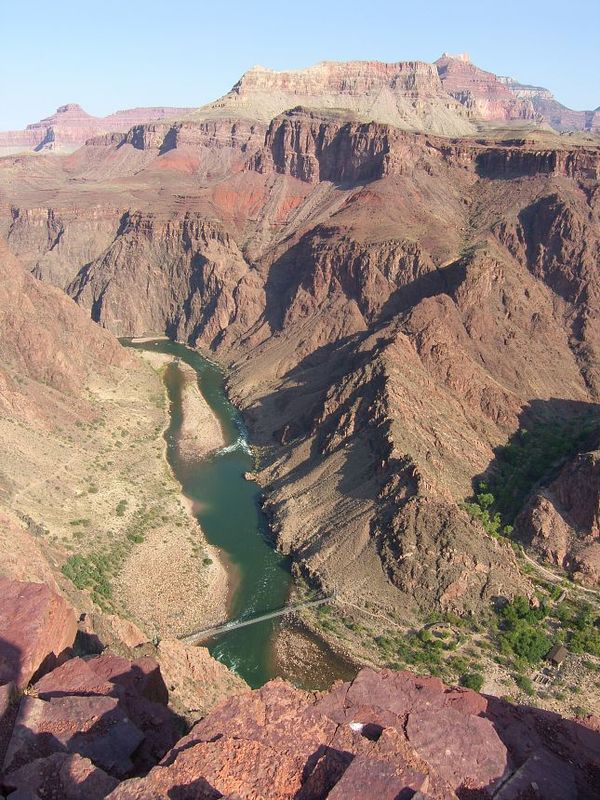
[(227, 507)]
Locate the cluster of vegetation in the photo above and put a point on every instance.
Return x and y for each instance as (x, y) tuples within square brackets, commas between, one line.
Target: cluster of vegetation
[(121, 508), (431, 651), (84, 522), (95, 571), (92, 572), (522, 633), (523, 630), (580, 628), (524, 683), (532, 456), (472, 680), (481, 507)]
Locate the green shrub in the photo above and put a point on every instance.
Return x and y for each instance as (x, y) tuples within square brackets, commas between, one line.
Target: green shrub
[(524, 684), (472, 680), (580, 712)]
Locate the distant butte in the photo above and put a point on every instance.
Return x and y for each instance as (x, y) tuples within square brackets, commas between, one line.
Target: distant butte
[(70, 127)]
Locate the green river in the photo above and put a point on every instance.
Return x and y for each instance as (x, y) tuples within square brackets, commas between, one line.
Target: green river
[(228, 509)]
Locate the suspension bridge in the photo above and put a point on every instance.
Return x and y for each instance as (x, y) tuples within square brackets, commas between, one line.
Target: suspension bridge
[(207, 633)]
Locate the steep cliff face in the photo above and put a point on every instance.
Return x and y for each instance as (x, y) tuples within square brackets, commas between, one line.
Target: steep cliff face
[(513, 162), (482, 92), (394, 421), (46, 339), (557, 237), (554, 113), (196, 282), (494, 98), (54, 243), (313, 149), (313, 146)]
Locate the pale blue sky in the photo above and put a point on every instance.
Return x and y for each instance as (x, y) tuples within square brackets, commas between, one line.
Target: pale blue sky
[(107, 55)]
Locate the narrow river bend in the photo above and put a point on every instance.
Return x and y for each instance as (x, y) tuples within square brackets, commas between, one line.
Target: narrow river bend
[(227, 507)]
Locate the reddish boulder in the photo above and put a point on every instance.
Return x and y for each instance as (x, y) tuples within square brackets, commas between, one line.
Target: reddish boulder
[(75, 676), (141, 676), (37, 627), (139, 689), (105, 674), (464, 749), (383, 735), (278, 716), (99, 631), (366, 777), (196, 681), (94, 727), (68, 777), (226, 766), (386, 697), (278, 742)]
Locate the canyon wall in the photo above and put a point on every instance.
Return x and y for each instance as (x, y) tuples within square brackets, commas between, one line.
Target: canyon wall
[(392, 305)]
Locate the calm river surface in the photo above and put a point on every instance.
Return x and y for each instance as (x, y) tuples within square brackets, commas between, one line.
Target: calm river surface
[(228, 509)]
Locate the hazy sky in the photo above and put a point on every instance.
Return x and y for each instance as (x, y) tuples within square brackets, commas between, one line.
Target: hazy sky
[(108, 55)]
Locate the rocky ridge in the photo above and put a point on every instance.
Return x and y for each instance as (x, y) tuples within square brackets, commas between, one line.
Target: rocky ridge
[(408, 94)]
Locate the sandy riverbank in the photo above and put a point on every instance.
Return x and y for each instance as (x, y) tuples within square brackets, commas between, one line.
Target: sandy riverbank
[(143, 339), (201, 431), (177, 581)]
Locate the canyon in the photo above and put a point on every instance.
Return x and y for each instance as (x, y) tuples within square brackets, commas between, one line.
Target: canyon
[(397, 267)]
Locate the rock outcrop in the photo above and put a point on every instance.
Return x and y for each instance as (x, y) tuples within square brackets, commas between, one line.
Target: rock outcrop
[(196, 260), (196, 681), (407, 94), (496, 98), (561, 523), (45, 338), (37, 628), (69, 777), (557, 115), (103, 726), (391, 732)]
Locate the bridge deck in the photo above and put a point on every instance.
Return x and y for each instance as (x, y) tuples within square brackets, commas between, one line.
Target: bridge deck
[(199, 636)]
